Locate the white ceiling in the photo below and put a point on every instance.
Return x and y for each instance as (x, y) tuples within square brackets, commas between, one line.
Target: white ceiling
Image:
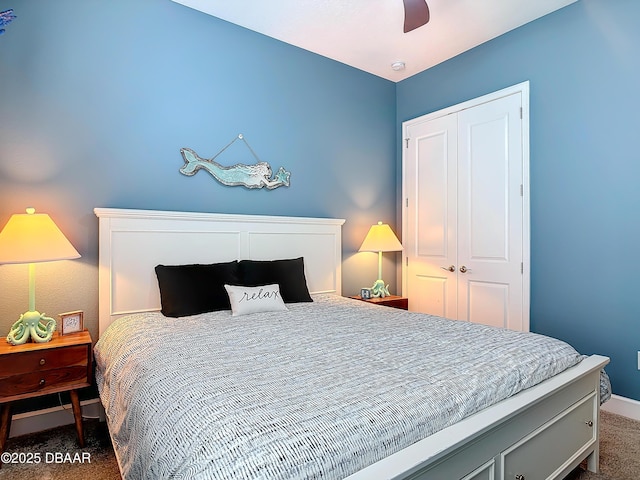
[(367, 34)]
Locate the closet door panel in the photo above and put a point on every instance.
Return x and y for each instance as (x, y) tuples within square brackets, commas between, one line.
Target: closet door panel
[(430, 294), (432, 206), (487, 303), (490, 213), (429, 240), (484, 170)]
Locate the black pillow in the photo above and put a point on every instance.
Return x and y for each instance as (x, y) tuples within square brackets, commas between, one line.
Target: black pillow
[(287, 273), (191, 289)]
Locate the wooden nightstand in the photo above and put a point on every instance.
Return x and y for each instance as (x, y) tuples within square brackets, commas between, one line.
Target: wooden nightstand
[(35, 369), (394, 301)]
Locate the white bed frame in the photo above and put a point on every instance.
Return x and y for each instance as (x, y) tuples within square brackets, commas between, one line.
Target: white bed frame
[(543, 432)]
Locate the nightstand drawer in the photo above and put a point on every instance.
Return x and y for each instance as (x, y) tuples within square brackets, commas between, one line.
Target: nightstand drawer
[(53, 379), (42, 360)]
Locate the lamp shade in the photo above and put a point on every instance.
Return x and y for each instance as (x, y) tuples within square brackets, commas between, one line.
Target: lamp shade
[(380, 239), (33, 237)]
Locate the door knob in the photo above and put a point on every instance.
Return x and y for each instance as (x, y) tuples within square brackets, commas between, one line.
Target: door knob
[(450, 268), (463, 269)]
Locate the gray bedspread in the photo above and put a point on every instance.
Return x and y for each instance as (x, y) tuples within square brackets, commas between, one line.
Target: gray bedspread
[(320, 391)]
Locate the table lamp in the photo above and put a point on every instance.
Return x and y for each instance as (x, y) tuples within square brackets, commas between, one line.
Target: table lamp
[(32, 238), (380, 239)]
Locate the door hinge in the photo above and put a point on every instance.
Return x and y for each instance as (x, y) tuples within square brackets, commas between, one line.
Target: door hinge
[(407, 261), (521, 190), (406, 143), (521, 267), (521, 113), (406, 203)]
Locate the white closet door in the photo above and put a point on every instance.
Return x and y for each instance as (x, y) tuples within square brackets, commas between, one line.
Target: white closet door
[(490, 176), (465, 173), (431, 232)]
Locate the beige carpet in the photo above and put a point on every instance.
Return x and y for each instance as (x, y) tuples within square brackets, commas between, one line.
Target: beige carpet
[(98, 462), (619, 453)]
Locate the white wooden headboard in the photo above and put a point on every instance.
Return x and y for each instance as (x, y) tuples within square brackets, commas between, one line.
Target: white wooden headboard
[(133, 242)]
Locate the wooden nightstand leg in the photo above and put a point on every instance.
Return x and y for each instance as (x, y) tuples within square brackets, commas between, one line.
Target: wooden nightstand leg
[(77, 415), (5, 426)]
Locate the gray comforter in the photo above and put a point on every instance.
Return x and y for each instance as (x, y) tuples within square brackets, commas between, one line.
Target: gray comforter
[(320, 391)]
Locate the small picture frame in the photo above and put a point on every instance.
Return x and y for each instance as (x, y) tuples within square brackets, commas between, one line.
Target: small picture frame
[(365, 293), (71, 322)]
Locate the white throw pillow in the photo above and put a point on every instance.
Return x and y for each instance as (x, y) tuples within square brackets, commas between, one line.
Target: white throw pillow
[(245, 300)]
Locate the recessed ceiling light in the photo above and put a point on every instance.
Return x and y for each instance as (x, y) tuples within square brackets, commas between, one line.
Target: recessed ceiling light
[(397, 66)]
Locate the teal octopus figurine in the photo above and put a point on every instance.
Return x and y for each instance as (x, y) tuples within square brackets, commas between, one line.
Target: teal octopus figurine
[(32, 325), (379, 289)]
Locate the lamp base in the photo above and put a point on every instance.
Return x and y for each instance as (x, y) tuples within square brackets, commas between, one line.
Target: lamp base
[(31, 325), (379, 289)]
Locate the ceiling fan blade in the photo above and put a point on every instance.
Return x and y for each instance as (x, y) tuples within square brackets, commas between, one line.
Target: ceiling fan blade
[(416, 14)]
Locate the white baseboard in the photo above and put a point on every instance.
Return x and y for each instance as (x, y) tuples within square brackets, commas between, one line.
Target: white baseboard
[(30, 422), (627, 407)]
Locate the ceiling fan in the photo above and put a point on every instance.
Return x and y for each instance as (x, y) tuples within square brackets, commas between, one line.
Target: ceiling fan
[(416, 14)]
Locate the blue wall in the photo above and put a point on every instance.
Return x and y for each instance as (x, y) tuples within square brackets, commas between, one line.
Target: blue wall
[(97, 98), (583, 65)]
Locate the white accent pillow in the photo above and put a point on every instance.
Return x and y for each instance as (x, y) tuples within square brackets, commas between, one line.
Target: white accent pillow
[(245, 300)]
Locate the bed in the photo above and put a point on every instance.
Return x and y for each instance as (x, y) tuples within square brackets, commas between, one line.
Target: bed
[(328, 388)]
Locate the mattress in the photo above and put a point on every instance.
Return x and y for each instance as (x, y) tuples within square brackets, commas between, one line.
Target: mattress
[(321, 390)]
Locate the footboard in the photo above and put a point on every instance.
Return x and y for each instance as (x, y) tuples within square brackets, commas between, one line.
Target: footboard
[(541, 433)]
